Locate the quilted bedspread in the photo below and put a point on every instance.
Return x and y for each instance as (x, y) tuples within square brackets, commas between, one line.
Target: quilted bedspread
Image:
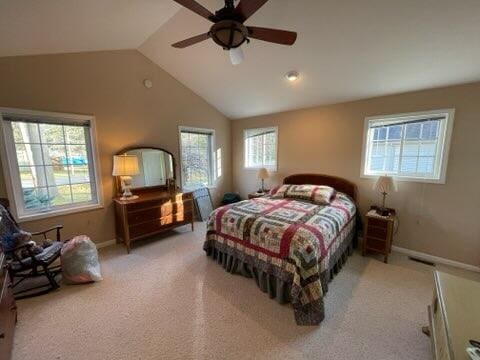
[(294, 238)]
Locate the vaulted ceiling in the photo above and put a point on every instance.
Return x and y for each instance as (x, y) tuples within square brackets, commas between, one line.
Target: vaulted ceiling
[(346, 50), (29, 27)]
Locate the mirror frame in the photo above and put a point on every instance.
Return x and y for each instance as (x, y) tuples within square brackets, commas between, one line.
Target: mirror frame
[(118, 186)]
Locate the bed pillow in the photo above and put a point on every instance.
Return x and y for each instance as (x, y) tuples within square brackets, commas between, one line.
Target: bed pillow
[(274, 190), (318, 194)]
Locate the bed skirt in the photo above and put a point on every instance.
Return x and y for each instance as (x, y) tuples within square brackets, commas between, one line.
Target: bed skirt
[(276, 282)]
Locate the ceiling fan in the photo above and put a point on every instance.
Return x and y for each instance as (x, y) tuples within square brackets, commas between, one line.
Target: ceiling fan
[(228, 29)]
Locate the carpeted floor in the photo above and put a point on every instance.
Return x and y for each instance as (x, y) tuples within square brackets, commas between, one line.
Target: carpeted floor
[(167, 300)]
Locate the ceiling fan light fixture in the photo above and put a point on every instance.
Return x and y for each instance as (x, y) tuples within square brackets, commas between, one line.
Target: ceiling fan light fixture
[(236, 56), (292, 76), (229, 34)]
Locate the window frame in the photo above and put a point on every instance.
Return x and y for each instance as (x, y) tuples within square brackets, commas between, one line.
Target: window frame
[(442, 154), (10, 166), (269, 168), (212, 154)]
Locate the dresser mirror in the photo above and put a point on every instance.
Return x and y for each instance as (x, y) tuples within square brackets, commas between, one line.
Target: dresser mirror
[(156, 167)]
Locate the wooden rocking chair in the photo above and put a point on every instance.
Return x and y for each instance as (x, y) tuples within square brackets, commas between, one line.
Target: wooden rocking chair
[(34, 265)]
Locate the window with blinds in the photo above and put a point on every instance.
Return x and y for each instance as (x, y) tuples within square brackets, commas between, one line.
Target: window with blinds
[(260, 146), (51, 162), (197, 162), (408, 146)]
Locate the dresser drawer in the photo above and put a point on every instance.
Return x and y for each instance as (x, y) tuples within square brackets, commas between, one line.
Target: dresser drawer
[(148, 204), (150, 227), (166, 209), (158, 202)]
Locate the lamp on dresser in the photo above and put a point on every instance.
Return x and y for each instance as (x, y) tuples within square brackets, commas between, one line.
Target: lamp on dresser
[(126, 166)]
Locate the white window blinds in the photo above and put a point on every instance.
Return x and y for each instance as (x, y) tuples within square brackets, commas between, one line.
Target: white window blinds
[(410, 147), (261, 148)]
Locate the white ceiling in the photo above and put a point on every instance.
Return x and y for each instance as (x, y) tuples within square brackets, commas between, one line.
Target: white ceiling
[(346, 50), (30, 27)]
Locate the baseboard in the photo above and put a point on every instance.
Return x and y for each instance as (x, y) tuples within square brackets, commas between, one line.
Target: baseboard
[(436, 259), (106, 243)]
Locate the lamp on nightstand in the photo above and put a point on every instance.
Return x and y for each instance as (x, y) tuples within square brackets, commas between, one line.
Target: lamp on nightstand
[(263, 175), (126, 166), (385, 185)]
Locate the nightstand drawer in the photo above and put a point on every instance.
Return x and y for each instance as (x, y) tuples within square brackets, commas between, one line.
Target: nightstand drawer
[(381, 223), (376, 244), (376, 231)]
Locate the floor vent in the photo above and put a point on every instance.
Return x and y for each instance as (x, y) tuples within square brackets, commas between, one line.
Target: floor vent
[(422, 261)]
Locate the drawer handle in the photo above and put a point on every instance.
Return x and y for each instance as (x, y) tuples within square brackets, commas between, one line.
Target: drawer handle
[(2, 336), (13, 307)]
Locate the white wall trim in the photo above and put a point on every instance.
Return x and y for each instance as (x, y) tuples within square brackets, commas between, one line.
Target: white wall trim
[(106, 243), (436, 259)]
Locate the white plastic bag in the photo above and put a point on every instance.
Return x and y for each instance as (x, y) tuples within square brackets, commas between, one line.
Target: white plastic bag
[(79, 258)]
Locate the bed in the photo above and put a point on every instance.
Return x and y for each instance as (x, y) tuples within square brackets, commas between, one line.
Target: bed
[(291, 245)]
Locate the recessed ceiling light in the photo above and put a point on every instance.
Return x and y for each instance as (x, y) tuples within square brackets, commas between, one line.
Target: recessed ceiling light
[(292, 76)]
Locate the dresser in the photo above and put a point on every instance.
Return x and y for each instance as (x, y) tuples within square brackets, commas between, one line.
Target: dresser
[(153, 212), (454, 316), (8, 312)]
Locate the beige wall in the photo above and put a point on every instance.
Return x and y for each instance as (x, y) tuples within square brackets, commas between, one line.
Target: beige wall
[(441, 220), (109, 85)]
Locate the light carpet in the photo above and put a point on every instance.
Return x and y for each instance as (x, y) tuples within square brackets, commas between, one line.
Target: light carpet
[(167, 300)]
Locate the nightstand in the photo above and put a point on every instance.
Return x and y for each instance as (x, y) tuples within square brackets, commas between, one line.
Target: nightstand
[(257, 195), (378, 233)]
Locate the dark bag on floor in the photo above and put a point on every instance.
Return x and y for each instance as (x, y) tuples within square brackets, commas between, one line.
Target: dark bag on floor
[(230, 198)]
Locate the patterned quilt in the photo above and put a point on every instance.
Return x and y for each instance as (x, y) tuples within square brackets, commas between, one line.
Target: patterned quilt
[(295, 237)]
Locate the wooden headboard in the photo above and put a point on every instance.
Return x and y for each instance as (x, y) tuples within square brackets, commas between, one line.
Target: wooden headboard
[(337, 183)]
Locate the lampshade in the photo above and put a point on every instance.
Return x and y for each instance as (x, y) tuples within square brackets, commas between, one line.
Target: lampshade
[(385, 184), (125, 165), (262, 174)]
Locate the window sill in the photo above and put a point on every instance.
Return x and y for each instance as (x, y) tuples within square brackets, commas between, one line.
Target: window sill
[(49, 214), (407, 179)]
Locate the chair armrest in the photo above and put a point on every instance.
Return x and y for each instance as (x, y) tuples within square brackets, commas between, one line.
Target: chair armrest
[(27, 245), (44, 232), (13, 253)]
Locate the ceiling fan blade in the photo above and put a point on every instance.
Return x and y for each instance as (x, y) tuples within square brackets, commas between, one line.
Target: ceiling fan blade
[(273, 35), (191, 41), (194, 6), (247, 8)]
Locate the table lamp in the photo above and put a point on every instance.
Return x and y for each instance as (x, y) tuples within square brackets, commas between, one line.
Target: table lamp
[(385, 185), (262, 175), (126, 166)]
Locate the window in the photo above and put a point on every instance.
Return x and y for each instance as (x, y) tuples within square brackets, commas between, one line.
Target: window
[(261, 148), (408, 146), (50, 160), (196, 153)]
